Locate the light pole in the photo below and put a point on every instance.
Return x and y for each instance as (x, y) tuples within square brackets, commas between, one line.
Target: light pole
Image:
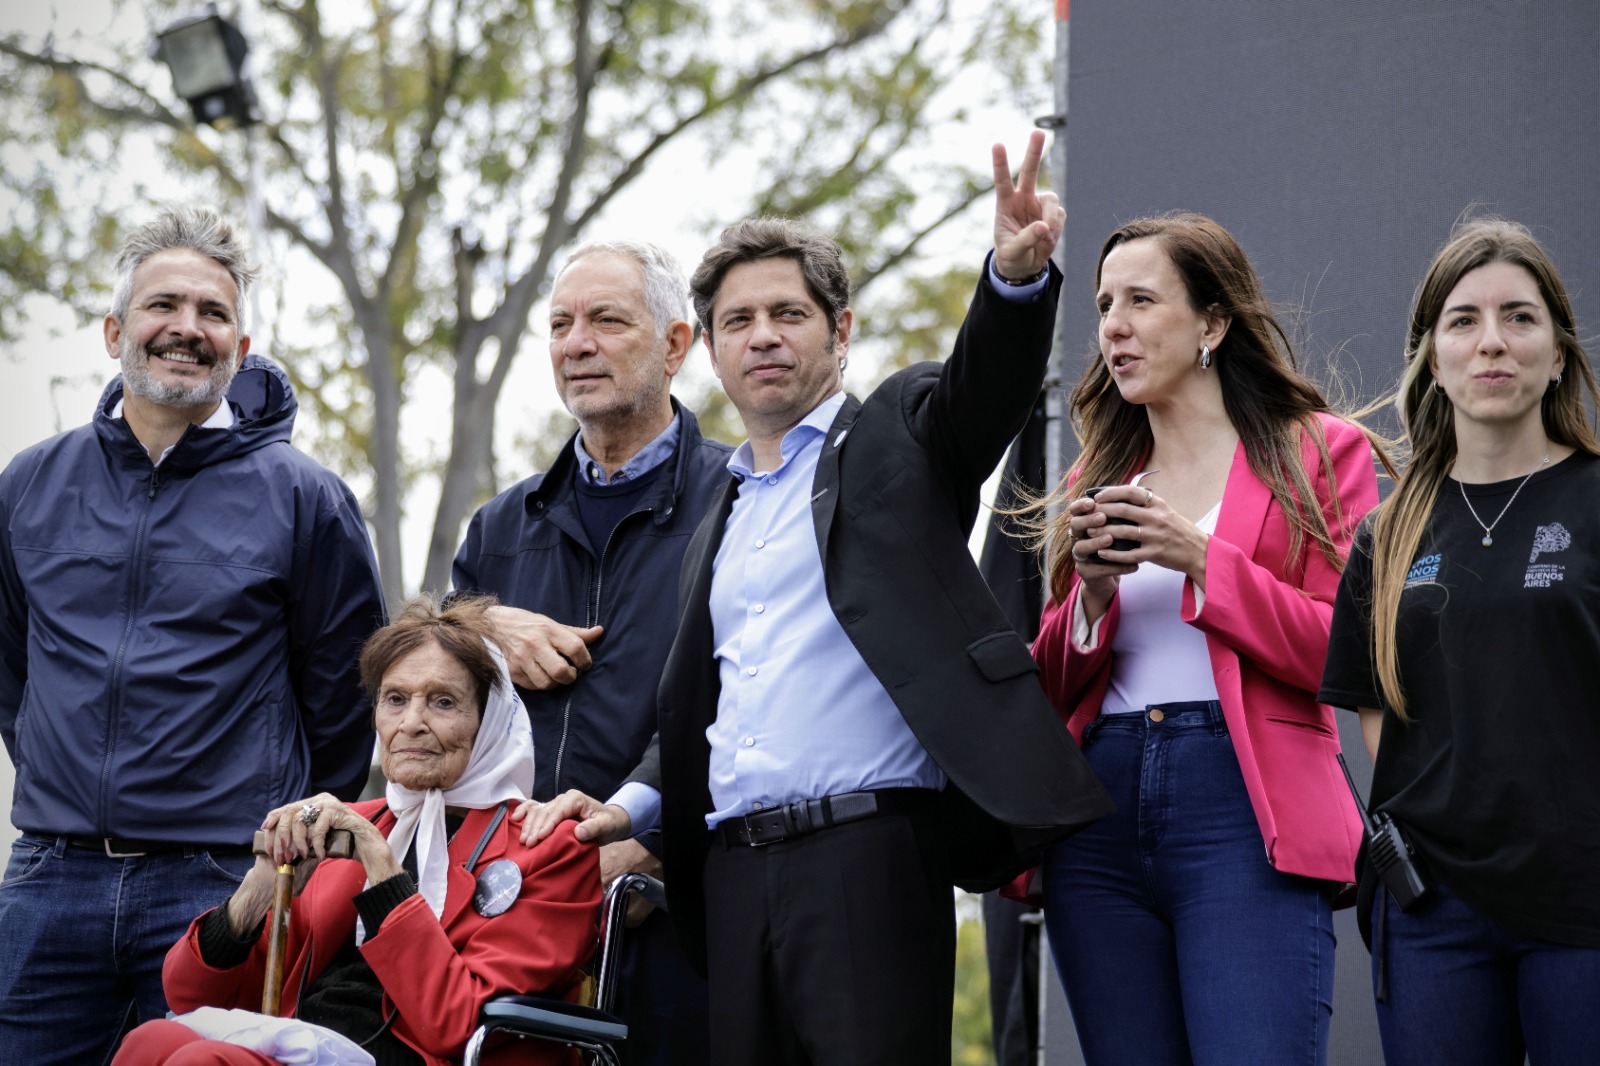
[(1055, 380), (207, 56)]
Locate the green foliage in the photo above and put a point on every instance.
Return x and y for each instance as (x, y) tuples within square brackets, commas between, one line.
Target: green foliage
[(426, 165), (971, 1042)]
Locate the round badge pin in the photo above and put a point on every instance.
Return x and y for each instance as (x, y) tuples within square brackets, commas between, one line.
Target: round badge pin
[(497, 889)]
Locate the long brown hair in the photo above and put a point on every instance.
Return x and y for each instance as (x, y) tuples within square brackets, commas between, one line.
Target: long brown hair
[(1269, 402), (1429, 422)]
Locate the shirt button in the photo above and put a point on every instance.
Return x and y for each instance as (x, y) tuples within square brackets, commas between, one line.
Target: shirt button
[(761, 608), (749, 742), (773, 480), (761, 544), (752, 671), (756, 806)]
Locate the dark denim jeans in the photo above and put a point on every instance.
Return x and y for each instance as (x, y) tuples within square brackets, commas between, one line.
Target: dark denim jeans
[(1464, 991), (1176, 941), (82, 939)]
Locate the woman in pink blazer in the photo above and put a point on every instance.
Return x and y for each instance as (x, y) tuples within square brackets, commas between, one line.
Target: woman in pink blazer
[(1183, 648)]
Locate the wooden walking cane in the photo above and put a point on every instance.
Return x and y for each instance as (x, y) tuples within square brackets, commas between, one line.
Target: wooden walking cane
[(340, 844)]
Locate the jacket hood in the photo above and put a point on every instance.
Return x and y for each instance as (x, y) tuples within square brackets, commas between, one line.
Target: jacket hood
[(263, 405)]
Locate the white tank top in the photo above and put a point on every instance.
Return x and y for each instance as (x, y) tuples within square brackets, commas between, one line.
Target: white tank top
[(1157, 657)]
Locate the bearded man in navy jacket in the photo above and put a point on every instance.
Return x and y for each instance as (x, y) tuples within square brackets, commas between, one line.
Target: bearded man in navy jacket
[(848, 723), (183, 596)]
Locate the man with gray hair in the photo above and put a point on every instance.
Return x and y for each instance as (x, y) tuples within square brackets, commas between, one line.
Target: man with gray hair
[(182, 599), (584, 558)]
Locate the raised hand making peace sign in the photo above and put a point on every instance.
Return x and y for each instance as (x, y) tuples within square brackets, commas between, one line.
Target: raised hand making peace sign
[(1027, 223)]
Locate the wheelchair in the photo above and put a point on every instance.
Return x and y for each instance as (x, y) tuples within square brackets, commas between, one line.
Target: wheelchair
[(595, 1030)]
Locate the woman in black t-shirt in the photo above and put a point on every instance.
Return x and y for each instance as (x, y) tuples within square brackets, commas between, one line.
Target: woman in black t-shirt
[(1467, 633)]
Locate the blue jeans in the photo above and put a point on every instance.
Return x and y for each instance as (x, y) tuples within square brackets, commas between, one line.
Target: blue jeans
[(82, 940), (1464, 991), (1176, 941)]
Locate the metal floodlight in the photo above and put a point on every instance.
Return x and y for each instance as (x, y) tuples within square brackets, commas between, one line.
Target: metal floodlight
[(206, 54)]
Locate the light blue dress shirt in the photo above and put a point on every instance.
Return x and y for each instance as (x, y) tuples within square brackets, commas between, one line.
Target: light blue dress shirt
[(643, 461), (800, 715)]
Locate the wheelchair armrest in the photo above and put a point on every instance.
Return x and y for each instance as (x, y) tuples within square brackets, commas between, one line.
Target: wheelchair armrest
[(538, 1016), (594, 1028), (547, 1019)]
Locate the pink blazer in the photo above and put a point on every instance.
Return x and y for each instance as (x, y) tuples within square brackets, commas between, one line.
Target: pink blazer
[(1266, 626)]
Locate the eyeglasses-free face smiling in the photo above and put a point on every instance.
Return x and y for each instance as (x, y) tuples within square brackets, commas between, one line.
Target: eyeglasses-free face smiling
[(179, 343)]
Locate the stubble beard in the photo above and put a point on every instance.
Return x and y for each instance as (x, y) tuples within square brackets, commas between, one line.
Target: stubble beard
[(138, 380), (629, 407)]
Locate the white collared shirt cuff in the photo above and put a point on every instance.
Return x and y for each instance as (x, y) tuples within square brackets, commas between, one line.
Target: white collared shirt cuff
[(642, 803), (1085, 637), (1017, 294)]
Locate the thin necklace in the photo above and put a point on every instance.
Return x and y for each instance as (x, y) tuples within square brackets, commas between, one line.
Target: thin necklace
[(1488, 530)]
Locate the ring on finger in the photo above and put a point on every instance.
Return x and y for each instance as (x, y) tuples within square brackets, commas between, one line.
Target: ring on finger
[(1149, 496), (309, 814)]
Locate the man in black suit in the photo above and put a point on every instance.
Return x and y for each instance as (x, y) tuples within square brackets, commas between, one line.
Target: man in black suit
[(848, 724)]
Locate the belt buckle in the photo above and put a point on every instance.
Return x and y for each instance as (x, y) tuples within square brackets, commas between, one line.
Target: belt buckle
[(106, 843), (766, 827)]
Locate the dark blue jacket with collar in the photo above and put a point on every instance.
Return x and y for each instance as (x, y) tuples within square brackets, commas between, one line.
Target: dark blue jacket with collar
[(528, 547), (178, 643)]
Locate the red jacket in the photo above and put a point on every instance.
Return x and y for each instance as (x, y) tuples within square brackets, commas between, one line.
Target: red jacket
[(436, 973), (1266, 627)]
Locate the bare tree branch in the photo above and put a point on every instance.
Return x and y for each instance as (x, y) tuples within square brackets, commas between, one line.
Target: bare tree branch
[(342, 261), (154, 114), (423, 180), (868, 276), (744, 87)]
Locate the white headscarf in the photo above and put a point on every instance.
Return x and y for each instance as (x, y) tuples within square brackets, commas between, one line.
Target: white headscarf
[(499, 768)]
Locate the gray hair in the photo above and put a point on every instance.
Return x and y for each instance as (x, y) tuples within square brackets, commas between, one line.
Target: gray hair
[(665, 292), (819, 257), (199, 229)]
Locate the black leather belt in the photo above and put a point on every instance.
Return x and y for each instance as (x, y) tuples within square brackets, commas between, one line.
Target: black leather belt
[(790, 820), (122, 848)]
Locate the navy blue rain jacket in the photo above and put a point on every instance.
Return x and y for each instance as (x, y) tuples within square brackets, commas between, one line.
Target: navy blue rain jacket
[(528, 547), (178, 644)]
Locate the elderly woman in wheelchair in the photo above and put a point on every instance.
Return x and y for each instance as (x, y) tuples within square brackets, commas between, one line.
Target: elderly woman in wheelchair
[(392, 953)]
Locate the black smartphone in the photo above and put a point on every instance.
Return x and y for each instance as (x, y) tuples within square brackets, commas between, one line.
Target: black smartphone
[(1121, 544)]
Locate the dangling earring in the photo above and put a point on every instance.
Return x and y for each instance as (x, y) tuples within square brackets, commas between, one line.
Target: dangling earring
[(1205, 357), (1557, 382)]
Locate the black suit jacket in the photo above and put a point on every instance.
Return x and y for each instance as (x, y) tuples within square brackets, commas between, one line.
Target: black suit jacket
[(895, 496)]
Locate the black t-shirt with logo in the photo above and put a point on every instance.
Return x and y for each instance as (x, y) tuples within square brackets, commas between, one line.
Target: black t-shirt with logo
[(1496, 779)]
